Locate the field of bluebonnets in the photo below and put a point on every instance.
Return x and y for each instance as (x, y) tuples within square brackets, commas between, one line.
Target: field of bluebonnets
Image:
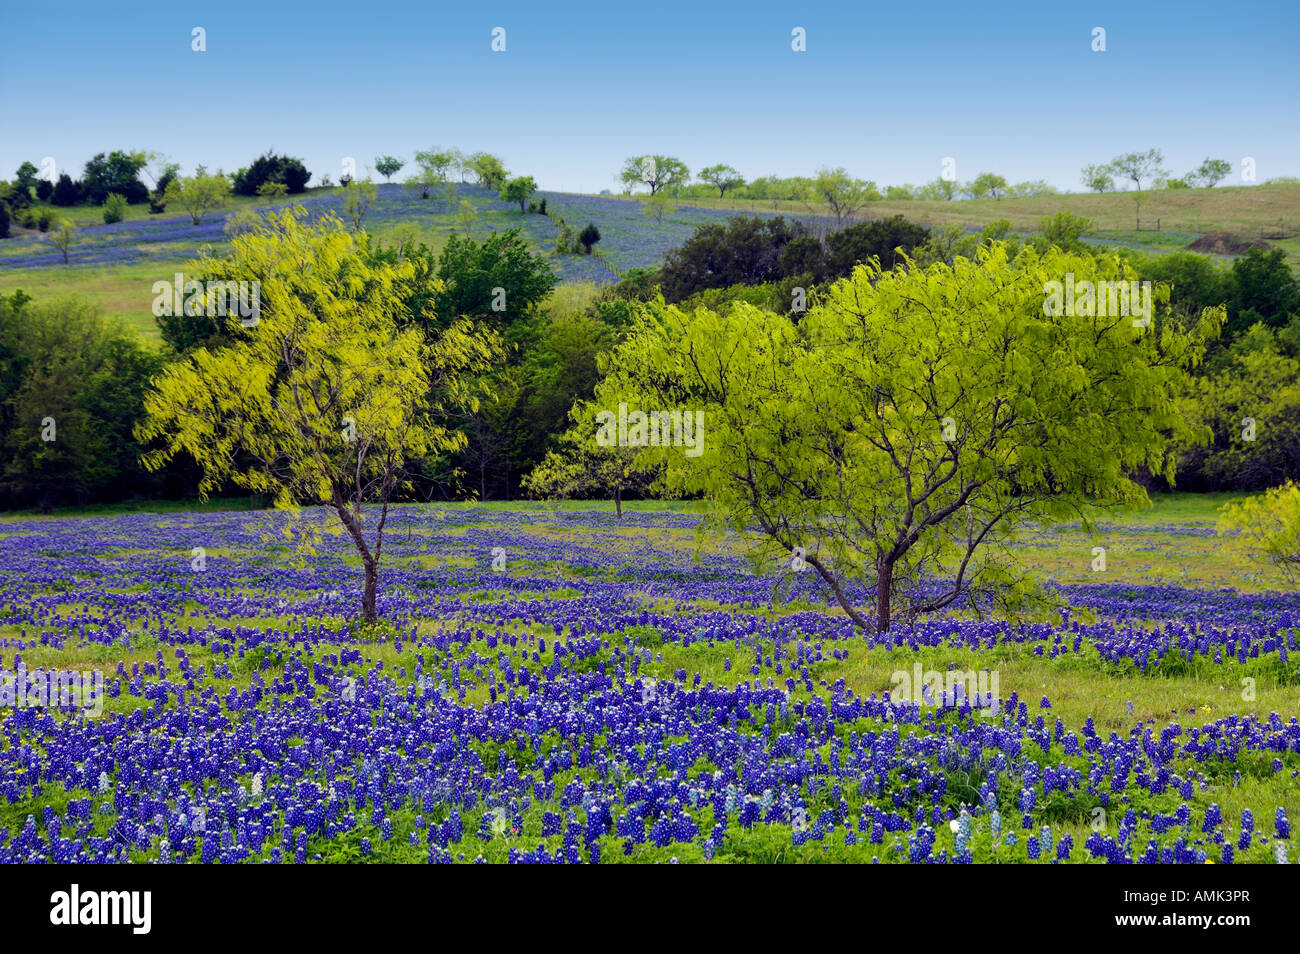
[(556, 685)]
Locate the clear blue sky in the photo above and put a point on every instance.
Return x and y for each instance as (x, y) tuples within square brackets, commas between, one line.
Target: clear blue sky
[(886, 90)]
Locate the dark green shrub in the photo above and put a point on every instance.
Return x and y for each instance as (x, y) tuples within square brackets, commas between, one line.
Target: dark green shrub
[(272, 168), (745, 251), (882, 239), (1264, 290), (117, 172), (66, 192)]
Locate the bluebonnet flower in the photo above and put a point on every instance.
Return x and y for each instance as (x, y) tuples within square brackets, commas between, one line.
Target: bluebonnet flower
[(962, 829), (1064, 847)]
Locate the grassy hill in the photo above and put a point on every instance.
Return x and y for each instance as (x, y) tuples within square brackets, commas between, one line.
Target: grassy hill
[(116, 265), (1227, 208), (1251, 212)]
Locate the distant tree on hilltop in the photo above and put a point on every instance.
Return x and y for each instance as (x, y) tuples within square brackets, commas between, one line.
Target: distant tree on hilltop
[(388, 166), (987, 184), (722, 178), (1209, 172), (1099, 177), (488, 169), (666, 173), (519, 189), (842, 193)]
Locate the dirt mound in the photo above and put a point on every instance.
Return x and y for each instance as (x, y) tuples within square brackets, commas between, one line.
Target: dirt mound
[(1226, 243)]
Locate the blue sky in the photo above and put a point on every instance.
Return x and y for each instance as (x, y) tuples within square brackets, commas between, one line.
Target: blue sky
[(885, 90)]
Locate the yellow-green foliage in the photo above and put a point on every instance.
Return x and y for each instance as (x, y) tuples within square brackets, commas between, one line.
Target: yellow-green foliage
[(321, 396), (198, 194), (358, 196), (1270, 524), (320, 393), (1252, 407), (913, 418)]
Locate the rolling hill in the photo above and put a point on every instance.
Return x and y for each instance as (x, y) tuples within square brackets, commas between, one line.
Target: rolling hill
[(116, 265)]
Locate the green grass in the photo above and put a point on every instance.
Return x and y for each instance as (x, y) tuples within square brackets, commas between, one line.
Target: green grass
[(570, 298), (1244, 209), (83, 215), (212, 505), (1145, 240), (123, 293)]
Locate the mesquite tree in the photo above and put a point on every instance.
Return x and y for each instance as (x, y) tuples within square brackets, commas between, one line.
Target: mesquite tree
[(901, 429), (323, 395)]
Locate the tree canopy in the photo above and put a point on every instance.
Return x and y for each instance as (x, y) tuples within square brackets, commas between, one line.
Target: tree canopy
[(667, 173), (197, 194), (722, 177), (519, 189), (912, 419), (326, 398)]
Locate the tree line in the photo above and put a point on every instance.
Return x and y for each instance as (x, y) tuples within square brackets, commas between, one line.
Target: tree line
[(841, 192)]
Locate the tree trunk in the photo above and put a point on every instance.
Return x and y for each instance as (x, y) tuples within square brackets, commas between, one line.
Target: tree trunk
[(372, 589), (618, 502), (368, 559), (884, 586)]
